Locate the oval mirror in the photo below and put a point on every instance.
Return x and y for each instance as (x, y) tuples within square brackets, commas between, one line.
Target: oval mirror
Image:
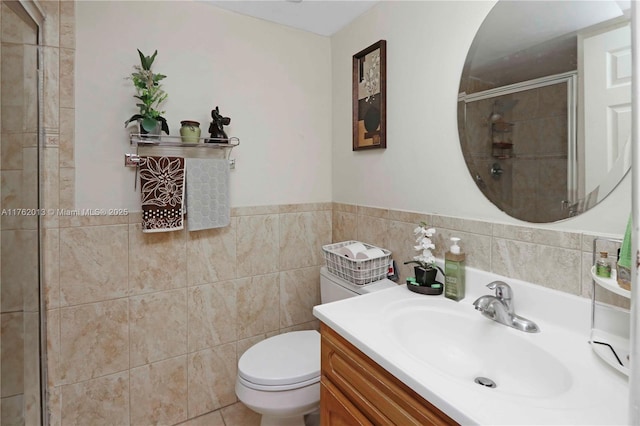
[(544, 106)]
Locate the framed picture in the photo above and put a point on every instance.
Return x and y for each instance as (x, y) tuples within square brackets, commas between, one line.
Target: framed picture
[(370, 97)]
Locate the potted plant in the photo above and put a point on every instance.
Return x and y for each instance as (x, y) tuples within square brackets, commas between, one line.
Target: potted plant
[(426, 269), (150, 94)]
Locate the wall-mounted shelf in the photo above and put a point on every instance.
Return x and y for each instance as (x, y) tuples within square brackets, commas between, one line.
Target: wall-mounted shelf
[(165, 141), (608, 344), (137, 139)]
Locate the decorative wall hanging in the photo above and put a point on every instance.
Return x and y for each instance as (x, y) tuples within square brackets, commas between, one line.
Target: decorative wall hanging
[(370, 97)]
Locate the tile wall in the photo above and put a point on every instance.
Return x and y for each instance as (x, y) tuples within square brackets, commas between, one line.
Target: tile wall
[(553, 259), (147, 328)]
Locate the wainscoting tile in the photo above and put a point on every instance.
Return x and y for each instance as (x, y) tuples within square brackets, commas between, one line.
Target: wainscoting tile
[(12, 366), (94, 340), (99, 402), (159, 392), (344, 226), (258, 250), (299, 293), (158, 326), (212, 377), (257, 298), (302, 236), (157, 261), (212, 315), (93, 264), (211, 255)]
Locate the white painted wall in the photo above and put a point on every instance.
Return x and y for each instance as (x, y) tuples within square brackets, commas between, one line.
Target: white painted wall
[(273, 81), (422, 168), (289, 95)]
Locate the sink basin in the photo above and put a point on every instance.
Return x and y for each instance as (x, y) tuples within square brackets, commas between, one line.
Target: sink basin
[(458, 342)]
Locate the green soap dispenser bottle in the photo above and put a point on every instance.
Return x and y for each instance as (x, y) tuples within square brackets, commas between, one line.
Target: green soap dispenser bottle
[(454, 272)]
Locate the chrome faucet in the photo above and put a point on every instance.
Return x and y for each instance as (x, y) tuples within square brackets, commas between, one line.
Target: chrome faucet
[(500, 308)]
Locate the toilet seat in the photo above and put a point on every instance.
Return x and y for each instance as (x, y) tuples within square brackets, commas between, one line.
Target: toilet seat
[(287, 361)]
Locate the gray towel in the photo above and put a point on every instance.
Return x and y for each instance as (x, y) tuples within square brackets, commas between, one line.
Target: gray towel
[(207, 193)]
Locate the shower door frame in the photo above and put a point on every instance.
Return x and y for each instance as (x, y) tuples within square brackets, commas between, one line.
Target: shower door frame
[(571, 80), (35, 12)]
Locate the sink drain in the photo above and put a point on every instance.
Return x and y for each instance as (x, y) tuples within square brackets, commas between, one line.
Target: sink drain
[(485, 382)]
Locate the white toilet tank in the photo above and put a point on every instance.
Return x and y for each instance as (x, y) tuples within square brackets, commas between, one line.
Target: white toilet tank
[(334, 288)]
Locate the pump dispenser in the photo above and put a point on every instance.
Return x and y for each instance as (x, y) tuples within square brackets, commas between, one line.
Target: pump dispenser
[(454, 272)]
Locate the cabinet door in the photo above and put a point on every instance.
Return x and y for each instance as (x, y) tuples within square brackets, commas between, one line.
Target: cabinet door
[(336, 410), (371, 390)]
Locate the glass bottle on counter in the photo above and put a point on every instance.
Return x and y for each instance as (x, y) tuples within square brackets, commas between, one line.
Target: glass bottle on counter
[(603, 267)]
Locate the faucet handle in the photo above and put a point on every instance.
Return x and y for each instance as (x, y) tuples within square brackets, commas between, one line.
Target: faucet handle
[(503, 290)]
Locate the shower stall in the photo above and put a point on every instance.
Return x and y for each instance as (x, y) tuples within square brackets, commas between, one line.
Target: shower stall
[(522, 147), (22, 341)]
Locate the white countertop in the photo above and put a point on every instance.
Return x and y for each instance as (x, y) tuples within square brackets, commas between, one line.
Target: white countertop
[(595, 393)]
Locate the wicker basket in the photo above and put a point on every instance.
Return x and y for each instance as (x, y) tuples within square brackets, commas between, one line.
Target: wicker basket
[(356, 271)]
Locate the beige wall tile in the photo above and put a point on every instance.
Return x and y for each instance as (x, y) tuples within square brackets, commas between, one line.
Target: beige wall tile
[(51, 29), (11, 410), (258, 305), (19, 270), (373, 212), (401, 242), (258, 245), (211, 419), (53, 348), (513, 258), (159, 392), (67, 73), (212, 378), (157, 261), (94, 340), (569, 240), (67, 139), (67, 24), (302, 236), (32, 368), (54, 406), (299, 293), (11, 198), (51, 88), (11, 153), (239, 415), (158, 326), (11, 351), (211, 255), (99, 402), (212, 315), (373, 230), (51, 267), (344, 227), (93, 263), (67, 186)]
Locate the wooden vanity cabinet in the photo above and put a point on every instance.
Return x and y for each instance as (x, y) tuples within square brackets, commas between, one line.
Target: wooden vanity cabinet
[(355, 390)]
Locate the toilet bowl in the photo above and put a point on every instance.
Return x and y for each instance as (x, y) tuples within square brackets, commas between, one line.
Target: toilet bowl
[(279, 377)]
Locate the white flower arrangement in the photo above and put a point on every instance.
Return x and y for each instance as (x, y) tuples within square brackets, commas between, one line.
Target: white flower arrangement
[(424, 245)]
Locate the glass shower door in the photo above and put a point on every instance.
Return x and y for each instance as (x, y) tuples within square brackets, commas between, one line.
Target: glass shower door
[(20, 319)]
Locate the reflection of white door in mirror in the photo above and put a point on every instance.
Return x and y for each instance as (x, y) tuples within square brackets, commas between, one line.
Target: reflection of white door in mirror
[(606, 71)]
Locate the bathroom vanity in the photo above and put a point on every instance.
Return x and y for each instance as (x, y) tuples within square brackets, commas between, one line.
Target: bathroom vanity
[(397, 357), (355, 390)]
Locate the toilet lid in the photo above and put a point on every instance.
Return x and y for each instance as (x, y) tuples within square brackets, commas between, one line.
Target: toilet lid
[(282, 360)]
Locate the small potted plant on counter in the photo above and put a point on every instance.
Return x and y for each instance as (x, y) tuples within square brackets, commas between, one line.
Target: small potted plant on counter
[(426, 269), (150, 94)]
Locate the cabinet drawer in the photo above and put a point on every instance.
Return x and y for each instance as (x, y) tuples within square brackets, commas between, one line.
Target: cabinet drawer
[(377, 394)]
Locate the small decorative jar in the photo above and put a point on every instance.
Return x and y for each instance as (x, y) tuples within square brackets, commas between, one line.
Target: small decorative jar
[(603, 267), (190, 131)]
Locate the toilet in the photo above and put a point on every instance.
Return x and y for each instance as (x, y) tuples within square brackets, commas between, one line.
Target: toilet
[(279, 377)]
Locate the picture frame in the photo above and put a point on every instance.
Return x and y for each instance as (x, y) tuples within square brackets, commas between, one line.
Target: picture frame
[(370, 97)]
